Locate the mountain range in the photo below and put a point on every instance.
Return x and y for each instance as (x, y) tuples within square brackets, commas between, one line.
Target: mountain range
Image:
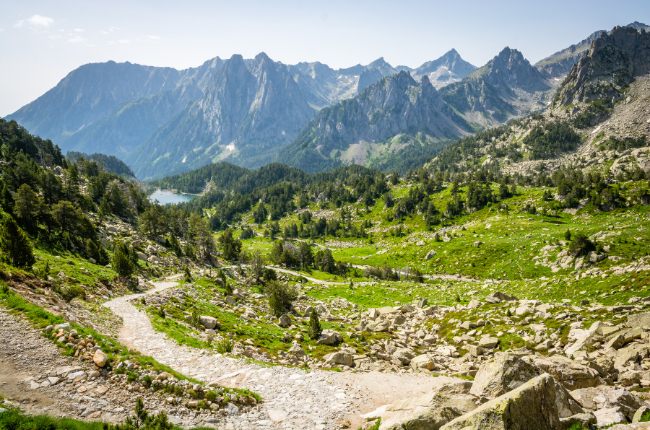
[(254, 111)]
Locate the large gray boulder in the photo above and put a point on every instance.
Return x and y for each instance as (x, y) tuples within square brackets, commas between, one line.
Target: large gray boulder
[(329, 337), (430, 411), (208, 322), (404, 355), (340, 357), (502, 374), (528, 407), (423, 361), (571, 374), (639, 320), (284, 320)]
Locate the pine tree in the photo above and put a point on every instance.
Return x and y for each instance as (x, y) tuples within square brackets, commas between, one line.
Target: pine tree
[(188, 275), (15, 245), (6, 199), (315, 328), (104, 208), (122, 263)]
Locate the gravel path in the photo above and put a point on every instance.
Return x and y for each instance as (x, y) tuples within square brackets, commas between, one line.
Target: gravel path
[(292, 397)]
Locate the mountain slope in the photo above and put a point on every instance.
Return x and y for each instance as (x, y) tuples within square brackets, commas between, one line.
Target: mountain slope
[(244, 116), (350, 131), (91, 92), (132, 122), (506, 87), (445, 70)]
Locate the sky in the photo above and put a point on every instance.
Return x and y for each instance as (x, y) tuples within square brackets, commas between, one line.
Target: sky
[(42, 41)]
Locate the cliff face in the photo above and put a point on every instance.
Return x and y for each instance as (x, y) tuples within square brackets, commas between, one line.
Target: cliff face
[(245, 115)]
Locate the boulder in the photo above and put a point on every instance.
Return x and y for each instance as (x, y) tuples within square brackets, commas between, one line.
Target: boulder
[(584, 420), (99, 358), (639, 320), (329, 337), (498, 297), (608, 416), (635, 426), (488, 342), (639, 414), (571, 374), (430, 411), (340, 357), (430, 255), (630, 354), (208, 322), (528, 407), (297, 351), (404, 355), (284, 320), (422, 362), (608, 397), (502, 374)]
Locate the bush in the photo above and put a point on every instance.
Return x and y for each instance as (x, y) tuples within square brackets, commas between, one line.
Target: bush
[(223, 346), (210, 396), (72, 292), (581, 245), (281, 297)]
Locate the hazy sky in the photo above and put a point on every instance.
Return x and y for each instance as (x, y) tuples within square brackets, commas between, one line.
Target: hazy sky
[(42, 41)]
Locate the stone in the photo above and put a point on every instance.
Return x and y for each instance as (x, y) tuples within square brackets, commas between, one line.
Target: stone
[(584, 420), (528, 407), (208, 322), (329, 337), (502, 374), (430, 411), (608, 416), (630, 353), (474, 350), (635, 426), (571, 374), (607, 397), (498, 297), (340, 357), (284, 321), (639, 414), (488, 342), (473, 304), (231, 300), (277, 415), (637, 320), (297, 351), (404, 355), (99, 358), (423, 361), (430, 255)]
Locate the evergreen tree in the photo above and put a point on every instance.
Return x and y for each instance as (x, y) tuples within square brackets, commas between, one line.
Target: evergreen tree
[(104, 208), (6, 199), (122, 263), (315, 328), (15, 245), (188, 274)]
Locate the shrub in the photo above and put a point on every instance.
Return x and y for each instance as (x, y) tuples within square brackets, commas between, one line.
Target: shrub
[(223, 346), (147, 381), (210, 396), (131, 376), (188, 275), (72, 292), (281, 297), (203, 404), (580, 245), (193, 394)]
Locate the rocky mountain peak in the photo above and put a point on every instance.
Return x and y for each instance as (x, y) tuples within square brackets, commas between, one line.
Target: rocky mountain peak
[(608, 67)]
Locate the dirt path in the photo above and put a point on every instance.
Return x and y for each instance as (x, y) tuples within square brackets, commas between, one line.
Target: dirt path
[(292, 397)]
